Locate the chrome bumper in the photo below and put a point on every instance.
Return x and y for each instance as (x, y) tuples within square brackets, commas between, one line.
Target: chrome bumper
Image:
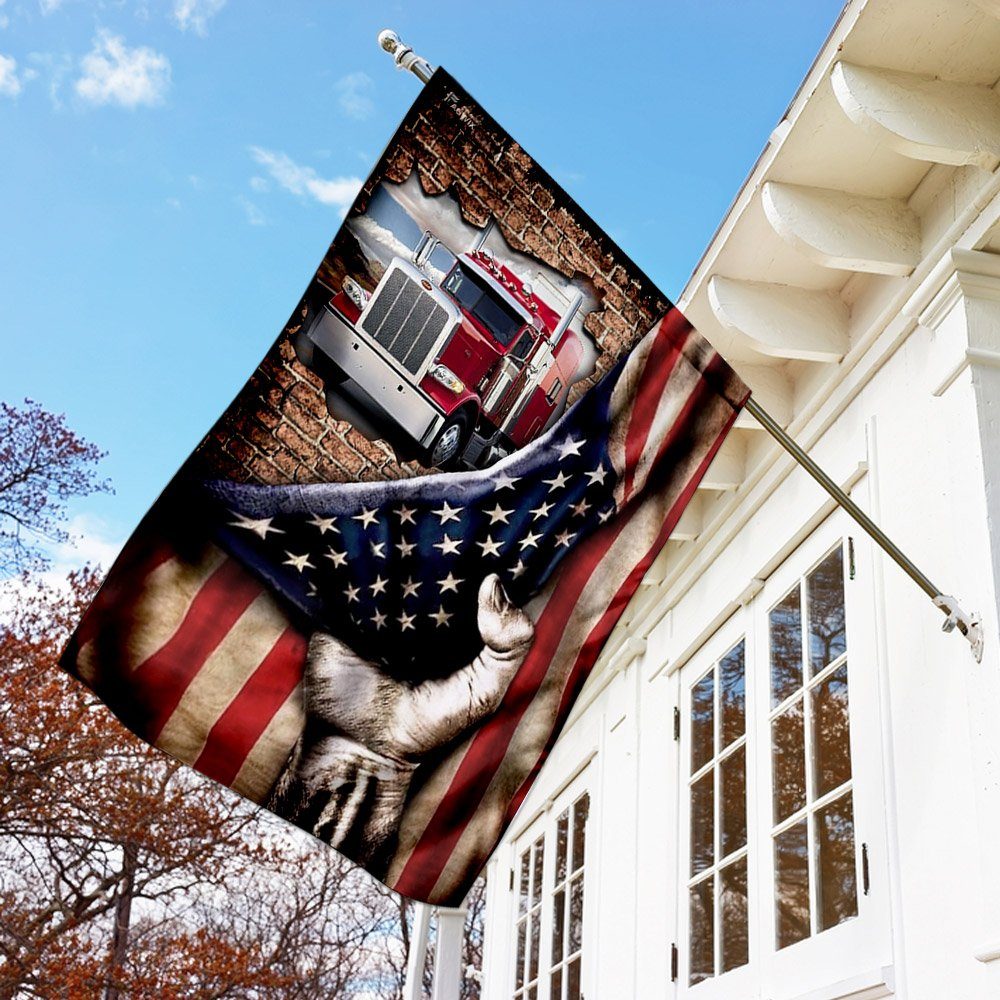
[(371, 384)]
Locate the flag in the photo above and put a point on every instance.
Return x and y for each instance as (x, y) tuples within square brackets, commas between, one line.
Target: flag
[(386, 660)]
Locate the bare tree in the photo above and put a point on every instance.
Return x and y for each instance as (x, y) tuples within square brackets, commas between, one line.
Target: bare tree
[(43, 464)]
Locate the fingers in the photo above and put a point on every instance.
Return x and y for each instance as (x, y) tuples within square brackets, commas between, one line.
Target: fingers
[(346, 795), (438, 711), (502, 625)]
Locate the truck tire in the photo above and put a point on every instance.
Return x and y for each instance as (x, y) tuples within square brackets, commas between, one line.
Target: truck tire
[(445, 451)]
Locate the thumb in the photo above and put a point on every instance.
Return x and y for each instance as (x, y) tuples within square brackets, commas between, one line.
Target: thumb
[(437, 711), (502, 625)]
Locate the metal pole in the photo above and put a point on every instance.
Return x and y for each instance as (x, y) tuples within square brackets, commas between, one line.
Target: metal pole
[(968, 625)]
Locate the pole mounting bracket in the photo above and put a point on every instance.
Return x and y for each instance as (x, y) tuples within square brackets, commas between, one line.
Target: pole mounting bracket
[(968, 624)]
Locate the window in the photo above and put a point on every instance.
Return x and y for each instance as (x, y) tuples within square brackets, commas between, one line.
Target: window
[(717, 890), (781, 889), (549, 882), (567, 901), (475, 296), (523, 347), (529, 920), (812, 804)]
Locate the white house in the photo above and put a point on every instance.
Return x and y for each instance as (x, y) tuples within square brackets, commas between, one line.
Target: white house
[(783, 780)]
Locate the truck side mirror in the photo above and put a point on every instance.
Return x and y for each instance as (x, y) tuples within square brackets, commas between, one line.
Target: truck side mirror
[(425, 248)]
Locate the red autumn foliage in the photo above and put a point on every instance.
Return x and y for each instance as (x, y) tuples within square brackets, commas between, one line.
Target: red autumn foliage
[(122, 872)]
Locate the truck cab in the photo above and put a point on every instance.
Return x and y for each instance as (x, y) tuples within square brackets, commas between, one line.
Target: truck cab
[(456, 370)]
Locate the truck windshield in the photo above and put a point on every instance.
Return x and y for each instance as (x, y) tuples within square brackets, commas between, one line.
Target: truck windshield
[(477, 299)]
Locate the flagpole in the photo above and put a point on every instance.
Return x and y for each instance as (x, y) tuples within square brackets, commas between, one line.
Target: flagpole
[(968, 624)]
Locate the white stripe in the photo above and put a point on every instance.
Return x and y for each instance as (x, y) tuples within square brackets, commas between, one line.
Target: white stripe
[(683, 381), (535, 727), (267, 759), (222, 677)]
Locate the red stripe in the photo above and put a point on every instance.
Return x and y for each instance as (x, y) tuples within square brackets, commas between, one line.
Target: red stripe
[(492, 741), (599, 634), (160, 681), (660, 364), (121, 588), (237, 730)]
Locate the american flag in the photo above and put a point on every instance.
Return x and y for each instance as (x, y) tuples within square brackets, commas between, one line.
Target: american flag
[(219, 594)]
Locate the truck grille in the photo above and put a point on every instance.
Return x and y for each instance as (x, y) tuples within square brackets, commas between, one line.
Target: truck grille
[(404, 320)]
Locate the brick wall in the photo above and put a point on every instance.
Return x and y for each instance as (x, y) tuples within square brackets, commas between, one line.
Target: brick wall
[(279, 431)]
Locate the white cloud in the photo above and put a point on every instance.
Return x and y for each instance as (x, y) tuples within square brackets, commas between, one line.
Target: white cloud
[(10, 82), (91, 541), (259, 184), (336, 191), (49, 6), (354, 95), (254, 215), (195, 14), (116, 74)]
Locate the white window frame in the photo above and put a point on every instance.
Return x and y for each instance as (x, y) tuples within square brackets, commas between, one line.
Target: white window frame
[(737, 982), (545, 825), (860, 944)]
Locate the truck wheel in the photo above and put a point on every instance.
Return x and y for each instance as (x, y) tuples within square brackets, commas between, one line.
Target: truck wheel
[(450, 442)]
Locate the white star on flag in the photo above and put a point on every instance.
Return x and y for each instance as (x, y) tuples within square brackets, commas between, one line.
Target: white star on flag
[(405, 621), (337, 558), (406, 515), (450, 582), (441, 616), (351, 593), (260, 526), (530, 540), (449, 546), (405, 547), (565, 537), (598, 475), (490, 547), (505, 482), (324, 524), (579, 509), (410, 588), (378, 550), (447, 513), (379, 619), (301, 563), (499, 514), (366, 517), (378, 587), (558, 482), (569, 447), (542, 510)]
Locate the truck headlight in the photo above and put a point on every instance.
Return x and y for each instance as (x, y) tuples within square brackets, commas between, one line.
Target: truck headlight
[(447, 378), (356, 293)]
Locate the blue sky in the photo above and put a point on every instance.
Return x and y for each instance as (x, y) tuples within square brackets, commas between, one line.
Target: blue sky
[(174, 169)]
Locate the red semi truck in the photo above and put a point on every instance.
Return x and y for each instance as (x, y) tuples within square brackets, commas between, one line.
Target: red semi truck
[(453, 371)]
